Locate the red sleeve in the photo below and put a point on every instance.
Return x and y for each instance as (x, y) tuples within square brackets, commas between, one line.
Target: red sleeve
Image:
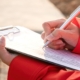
[(76, 21), (25, 68)]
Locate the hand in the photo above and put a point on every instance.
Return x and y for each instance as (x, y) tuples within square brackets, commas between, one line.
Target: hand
[(70, 35), (5, 56)]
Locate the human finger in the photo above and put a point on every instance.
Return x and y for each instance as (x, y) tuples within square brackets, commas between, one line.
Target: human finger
[(53, 24), (43, 35), (47, 29), (57, 42), (57, 46), (2, 43), (69, 36)]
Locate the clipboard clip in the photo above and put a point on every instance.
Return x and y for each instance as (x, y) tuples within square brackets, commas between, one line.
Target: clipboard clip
[(9, 32)]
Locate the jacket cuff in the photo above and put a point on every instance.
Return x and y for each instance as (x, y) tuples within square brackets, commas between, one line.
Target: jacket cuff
[(77, 48), (76, 21)]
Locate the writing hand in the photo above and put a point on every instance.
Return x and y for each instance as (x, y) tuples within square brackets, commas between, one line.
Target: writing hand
[(70, 35)]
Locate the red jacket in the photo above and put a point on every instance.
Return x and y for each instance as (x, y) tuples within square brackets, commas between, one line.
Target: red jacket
[(25, 68)]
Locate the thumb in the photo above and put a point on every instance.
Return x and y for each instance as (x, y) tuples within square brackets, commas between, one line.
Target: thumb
[(2, 42)]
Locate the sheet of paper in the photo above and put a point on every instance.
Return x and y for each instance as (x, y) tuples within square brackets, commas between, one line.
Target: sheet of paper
[(62, 57)]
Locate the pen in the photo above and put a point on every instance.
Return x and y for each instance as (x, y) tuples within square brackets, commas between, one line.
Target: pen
[(64, 25)]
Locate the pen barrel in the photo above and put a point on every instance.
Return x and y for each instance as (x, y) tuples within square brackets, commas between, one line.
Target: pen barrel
[(72, 16)]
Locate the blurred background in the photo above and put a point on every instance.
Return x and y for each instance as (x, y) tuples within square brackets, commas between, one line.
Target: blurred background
[(66, 6), (31, 14)]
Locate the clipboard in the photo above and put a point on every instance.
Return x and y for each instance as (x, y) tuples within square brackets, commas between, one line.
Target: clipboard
[(29, 43), (9, 31)]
